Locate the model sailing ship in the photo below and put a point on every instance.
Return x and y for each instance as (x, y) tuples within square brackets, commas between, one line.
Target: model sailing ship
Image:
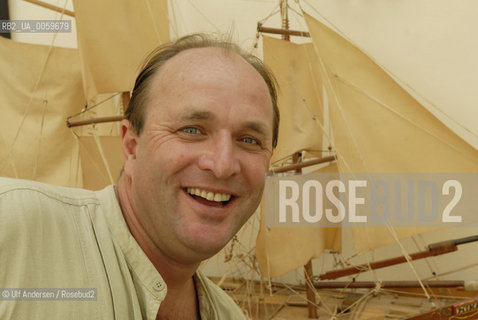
[(368, 124), (338, 108)]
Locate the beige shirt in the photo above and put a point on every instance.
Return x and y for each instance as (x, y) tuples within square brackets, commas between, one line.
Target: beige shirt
[(55, 237)]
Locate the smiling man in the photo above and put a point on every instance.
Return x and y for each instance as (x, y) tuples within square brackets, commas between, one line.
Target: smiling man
[(195, 165), (197, 139)]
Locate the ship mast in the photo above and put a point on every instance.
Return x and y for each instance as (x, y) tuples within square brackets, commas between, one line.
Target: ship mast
[(296, 159), (297, 163), (284, 14)]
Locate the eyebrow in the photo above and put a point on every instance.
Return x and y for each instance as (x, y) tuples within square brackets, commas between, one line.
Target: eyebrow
[(255, 126), (198, 115), (206, 115)]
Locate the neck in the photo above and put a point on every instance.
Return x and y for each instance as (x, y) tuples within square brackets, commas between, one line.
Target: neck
[(177, 275)]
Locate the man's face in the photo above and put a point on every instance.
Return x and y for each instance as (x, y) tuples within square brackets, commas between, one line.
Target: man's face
[(197, 170)]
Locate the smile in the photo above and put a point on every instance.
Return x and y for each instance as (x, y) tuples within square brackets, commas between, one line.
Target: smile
[(208, 195)]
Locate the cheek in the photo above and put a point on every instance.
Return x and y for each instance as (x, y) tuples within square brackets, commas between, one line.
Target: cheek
[(165, 162), (255, 169)]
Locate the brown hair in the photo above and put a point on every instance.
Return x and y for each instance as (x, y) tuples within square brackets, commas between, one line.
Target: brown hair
[(136, 109)]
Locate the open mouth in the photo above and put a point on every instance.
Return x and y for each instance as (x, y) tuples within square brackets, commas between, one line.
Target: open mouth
[(210, 198)]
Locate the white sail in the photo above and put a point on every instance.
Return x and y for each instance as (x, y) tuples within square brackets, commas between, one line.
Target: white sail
[(280, 250), (114, 37), (378, 126), (299, 102), (39, 87)]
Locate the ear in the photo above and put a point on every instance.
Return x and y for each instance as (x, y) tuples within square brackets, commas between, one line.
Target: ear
[(129, 142)]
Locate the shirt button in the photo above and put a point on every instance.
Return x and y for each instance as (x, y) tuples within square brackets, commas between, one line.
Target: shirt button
[(158, 285)]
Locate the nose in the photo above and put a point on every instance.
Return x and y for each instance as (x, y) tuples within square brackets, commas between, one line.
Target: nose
[(219, 157)]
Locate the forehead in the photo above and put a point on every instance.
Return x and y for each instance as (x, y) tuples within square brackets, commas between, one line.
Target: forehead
[(215, 71), (212, 59)]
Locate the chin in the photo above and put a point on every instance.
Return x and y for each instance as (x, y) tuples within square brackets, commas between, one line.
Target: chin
[(208, 243)]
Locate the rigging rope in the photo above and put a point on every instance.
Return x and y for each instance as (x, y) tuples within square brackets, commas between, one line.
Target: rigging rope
[(90, 157), (328, 84), (409, 262), (204, 16), (42, 125), (273, 12), (390, 109), (87, 109), (454, 271), (403, 83), (151, 16), (102, 154), (320, 304), (429, 260), (315, 117), (174, 25), (404, 117), (336, 98), (10, 161), (37, 83)]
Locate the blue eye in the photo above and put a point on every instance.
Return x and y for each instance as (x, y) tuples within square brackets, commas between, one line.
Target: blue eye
[(249, 140), (191, 130)]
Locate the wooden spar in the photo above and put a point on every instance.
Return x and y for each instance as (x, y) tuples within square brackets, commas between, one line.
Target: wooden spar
[(388, 284), (456, 242), (52, 7), (387, 262), (262, 29), (308, 271), (301, 165), (311, 304), (457, 311), (434, 249), (76, 123), (285, 31)]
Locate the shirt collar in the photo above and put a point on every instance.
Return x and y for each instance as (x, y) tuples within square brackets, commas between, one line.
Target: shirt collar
[(150, 287)]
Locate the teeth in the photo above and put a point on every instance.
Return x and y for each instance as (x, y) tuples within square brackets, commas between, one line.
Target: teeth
[(211, 196)]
